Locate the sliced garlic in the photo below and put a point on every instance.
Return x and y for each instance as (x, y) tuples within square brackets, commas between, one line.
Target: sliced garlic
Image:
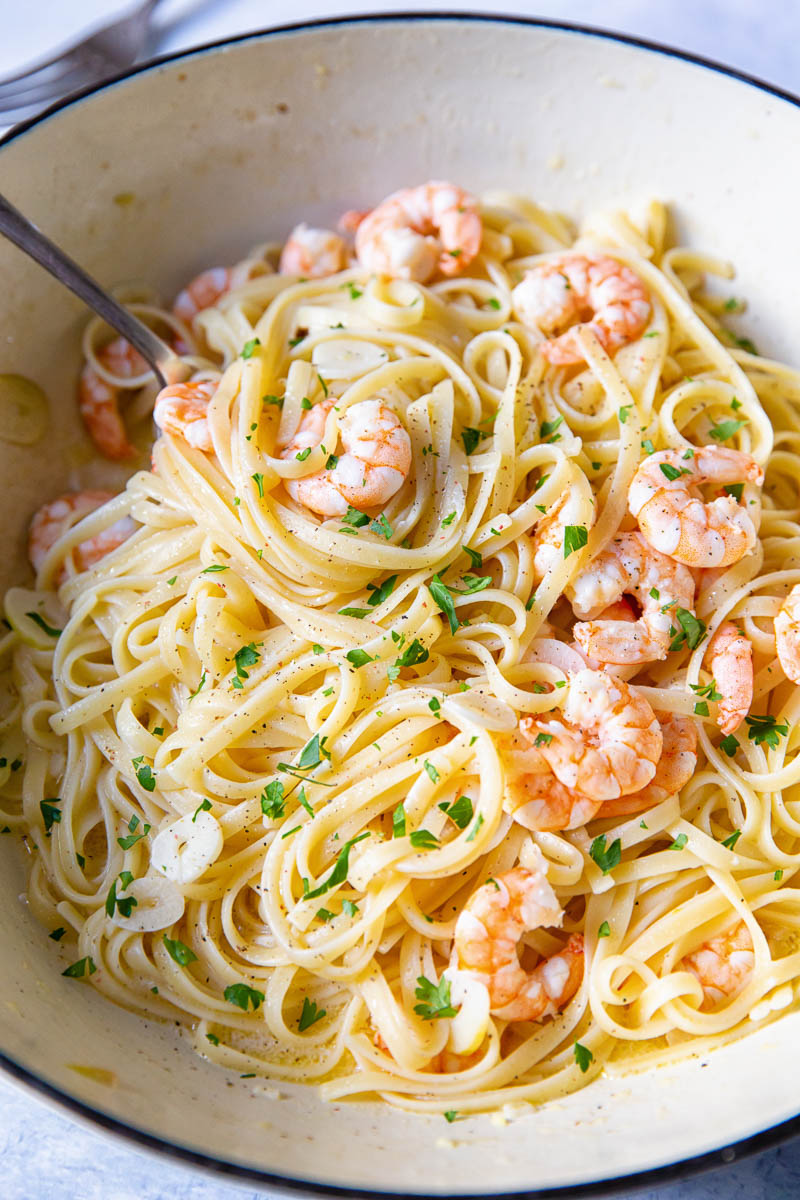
[(187, 848), (159, 904), (468, 1027), (347, 358)]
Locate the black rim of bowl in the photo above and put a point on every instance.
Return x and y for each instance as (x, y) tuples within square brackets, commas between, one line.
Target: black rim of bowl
[(670, 1172)]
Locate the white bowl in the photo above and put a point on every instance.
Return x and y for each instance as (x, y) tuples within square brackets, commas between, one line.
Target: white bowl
[(187, 162)]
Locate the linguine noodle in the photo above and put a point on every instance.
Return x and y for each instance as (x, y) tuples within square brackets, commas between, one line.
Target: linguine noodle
[(260, 769)]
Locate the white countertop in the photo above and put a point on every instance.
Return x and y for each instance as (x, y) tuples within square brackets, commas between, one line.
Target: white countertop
[(43, 1153)]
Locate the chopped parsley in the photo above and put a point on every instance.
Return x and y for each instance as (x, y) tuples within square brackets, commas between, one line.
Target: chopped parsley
[(693, 630), (382, 527), (379, 594), (623, 413), (443, 598), (125, 904), (606, 859), (310, 1014), (583, 1057), (475, 828), (249, 348), (729, 745), (199, 687), (399, 821), (302, 455), (726, 430), (766, 729), (144, 773), (470, 437), (51, 813), (673, 473), (272, 801), (340, 869), (179, 951), (709, 690), (40, 621), (679, 843), (735, 490), (435, 999), (648, 446), (57, 934), (543, 739), (448, 520), (358, 657), (575, 538), (475, 557), (433, 774), (604, 930), (259, 482), (203, 806), (460, 811), (355, 517), (84, 966), (246, 657), (214, 569), (548, 428), (731, 841), (125, 843), (413, 654), (423, 839), (243, 997)]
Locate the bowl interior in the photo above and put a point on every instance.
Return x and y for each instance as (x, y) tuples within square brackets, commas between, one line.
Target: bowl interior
[(186, 164)]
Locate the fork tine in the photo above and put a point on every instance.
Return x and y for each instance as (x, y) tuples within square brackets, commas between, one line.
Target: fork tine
[(35, 92)]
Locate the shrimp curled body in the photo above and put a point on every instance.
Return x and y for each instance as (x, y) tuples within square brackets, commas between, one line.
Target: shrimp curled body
[(724, 964), (418, 230), (674, 768), (692, 531), (182, 410), (606, 742), (629, 566), (787, 635), (98, 400), (373, 467), (485, 944), (730, 661), (313, 253), (599, 293), (54, 519)]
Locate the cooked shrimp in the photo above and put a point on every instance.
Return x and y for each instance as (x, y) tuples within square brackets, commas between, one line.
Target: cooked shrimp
[(485, 944), (54, 519), (182, 410), (730, 661), (787, 635), (418, 230), (629, 567), (98, 400), (723, 964), (202, 292), (374, 465), (313, 253), (674, 768), (533, 796), (606, 742), (601, 293), (676, 522)]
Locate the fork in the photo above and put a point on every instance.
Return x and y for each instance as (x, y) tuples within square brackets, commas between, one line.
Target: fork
[(87, 61)]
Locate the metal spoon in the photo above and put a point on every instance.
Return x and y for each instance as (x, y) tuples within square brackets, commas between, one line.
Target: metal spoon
[(167, 366)]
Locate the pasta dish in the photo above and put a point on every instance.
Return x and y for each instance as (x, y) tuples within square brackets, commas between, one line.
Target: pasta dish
[(421, 723)]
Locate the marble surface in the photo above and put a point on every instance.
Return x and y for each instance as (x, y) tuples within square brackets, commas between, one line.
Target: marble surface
[(43, 1153)]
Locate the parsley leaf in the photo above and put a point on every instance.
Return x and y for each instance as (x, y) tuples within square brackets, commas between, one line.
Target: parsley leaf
[(80, 968), (340, 869), (358, 657), (766, 729), (673, 473), (729, 745), (179, 951), (249, 348), (51, 813), (433, 774), (423, 839), (272, 801), (549, 427), (575, 537), (475, 557), (735, 490), (144, 774), (583, 1057), (203, 806), (259, 482), (441, 594), (470, 438), (693, 630), (604, 930), (460, 811), (679, 843), (310, 1014), (399, 821), (355, 518), (381, 526), (379, 594), (435, 999), (40, 621), (606, 859), (731, 841), (726, 430), (243, 996)]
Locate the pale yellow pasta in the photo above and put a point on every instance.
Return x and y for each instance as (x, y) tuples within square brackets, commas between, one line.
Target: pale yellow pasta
[(218, 763)]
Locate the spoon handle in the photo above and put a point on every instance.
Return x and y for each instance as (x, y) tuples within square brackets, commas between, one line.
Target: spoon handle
[(166, 364)]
